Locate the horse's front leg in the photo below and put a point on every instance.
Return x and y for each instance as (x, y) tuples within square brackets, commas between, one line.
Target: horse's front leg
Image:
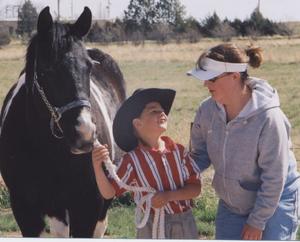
[(28, 215), (100, 228), (60, 228)]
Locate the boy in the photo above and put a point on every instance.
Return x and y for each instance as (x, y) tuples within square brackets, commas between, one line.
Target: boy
[(153, 161)]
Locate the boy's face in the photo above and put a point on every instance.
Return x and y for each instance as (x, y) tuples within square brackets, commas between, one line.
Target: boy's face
[(152, 121)]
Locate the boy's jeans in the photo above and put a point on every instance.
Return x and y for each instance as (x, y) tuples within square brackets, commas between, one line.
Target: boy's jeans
[(282, 225)]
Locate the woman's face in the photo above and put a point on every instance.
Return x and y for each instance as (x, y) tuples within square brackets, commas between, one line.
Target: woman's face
[(224, 87)]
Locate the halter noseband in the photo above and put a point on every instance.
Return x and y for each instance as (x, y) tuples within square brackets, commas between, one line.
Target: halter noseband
[(57, 112)]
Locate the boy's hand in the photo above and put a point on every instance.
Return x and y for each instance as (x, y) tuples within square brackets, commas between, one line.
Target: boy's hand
[(160, 199), (99, 154)]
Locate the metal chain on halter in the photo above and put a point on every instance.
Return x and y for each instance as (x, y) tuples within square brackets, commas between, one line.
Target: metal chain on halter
[(54, 114)]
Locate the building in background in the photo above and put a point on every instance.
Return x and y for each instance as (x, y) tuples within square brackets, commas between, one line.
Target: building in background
[(63, 10)]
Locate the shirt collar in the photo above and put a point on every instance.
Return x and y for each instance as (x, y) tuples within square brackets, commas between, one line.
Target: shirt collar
[(169, 146)]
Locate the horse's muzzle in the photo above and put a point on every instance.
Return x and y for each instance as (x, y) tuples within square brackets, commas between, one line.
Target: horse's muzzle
[(85, 133), (85, 148)]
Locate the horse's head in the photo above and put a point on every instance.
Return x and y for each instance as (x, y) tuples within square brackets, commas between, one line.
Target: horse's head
[(58, 66)]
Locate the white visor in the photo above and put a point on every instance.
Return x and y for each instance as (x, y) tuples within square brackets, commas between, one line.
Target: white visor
[(210, 68)]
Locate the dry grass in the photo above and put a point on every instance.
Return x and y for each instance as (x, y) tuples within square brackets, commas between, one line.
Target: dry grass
[(14, 51), (278, 49)]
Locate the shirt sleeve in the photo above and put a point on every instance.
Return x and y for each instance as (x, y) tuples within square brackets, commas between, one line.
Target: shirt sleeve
[(198, 144), (190, 169), (125, 172)]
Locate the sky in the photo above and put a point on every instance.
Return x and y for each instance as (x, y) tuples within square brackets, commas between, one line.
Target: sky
[(276, 10)]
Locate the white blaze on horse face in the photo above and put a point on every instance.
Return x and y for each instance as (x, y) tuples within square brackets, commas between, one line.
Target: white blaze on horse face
[(20, 83), (86, 127), (58, 229), (100, 228), (96, 92)]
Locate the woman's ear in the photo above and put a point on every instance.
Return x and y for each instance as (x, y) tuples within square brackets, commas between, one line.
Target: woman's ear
[(236, 76)]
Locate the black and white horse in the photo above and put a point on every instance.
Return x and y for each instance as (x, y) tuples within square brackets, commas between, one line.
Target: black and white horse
[(66, 97)]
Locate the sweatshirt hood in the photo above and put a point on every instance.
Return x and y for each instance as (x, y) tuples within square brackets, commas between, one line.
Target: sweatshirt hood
[(263, 97)]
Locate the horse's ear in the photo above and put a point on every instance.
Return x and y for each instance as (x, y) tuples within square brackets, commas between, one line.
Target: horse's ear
[(83, 24), (45, 21)]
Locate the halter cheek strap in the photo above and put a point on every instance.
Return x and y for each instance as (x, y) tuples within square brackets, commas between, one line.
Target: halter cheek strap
[(61, 110), (74, 104), (56, 113)]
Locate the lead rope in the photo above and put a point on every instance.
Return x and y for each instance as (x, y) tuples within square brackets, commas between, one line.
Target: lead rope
[(158, 228)]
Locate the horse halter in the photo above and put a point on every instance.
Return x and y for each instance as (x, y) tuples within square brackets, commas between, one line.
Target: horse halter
[(57, 112)]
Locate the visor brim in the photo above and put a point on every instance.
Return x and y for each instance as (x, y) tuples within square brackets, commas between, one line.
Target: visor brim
[(202, 74)]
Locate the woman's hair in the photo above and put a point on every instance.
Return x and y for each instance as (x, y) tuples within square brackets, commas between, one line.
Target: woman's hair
[(233, 54)]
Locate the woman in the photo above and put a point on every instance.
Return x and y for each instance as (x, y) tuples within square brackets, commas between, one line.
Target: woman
[(244, 134)]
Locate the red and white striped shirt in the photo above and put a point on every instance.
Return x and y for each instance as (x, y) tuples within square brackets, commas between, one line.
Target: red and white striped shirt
[(163, 171)]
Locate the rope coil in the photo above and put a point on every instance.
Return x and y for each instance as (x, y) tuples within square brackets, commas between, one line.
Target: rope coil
[(158, 229)]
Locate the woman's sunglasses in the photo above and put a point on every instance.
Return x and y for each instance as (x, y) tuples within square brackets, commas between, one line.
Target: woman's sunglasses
[(218, 77)]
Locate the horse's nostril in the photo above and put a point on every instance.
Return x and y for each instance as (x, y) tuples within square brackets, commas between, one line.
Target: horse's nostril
[(83, 147), (87, 147), (93, 120)]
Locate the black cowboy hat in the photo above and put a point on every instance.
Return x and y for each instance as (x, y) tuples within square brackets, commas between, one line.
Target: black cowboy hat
[(132, 108)]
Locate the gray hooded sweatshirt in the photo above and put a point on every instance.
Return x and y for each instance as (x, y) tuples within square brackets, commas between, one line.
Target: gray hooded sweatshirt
[(251, 155)]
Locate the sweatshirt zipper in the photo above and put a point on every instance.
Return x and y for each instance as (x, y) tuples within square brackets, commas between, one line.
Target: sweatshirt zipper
[(224, 160)]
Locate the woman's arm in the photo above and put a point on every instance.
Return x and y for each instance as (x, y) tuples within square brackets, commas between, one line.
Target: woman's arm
[(273, 162), (198, 143)]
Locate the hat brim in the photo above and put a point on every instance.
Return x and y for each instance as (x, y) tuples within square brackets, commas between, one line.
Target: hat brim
[(203, 75), (132, 108)]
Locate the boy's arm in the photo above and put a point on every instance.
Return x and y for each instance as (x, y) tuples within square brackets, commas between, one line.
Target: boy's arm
[(106, 189), (192, 183), (189, 191)]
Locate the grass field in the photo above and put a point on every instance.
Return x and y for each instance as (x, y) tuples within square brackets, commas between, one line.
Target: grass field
[(153, 65)]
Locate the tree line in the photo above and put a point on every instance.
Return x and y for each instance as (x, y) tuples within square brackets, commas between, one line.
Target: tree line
[(164, 20), (161, 21)]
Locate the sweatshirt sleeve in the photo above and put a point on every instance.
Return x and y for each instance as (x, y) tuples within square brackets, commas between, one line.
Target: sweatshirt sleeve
[(273, 163), (198, 143)]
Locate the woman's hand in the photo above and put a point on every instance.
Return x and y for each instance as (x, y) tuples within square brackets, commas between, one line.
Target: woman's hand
[(100, 154), (251, 233), (160, 199)]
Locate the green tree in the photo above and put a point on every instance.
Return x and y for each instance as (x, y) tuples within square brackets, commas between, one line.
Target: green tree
[(27, 18), (209, 24), (4, 40), (139, 16), (143, 15), (169, 12)]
